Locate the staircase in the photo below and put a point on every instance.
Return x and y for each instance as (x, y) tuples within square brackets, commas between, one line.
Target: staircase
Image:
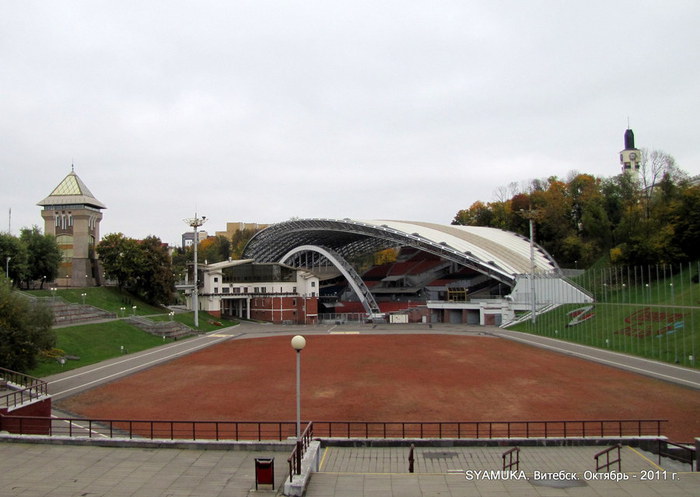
[(167, 329), (65, 313), (18, 389)]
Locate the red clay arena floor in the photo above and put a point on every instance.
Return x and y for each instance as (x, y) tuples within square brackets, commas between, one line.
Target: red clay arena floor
[(390, 378)]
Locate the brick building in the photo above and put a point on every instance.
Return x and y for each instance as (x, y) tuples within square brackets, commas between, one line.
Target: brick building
[(72, 214), (266, 292)]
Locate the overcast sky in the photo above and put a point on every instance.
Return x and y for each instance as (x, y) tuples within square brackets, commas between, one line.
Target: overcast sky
[(260, 111)]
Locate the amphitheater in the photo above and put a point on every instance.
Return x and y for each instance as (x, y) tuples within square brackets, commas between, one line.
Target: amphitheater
[(461, 274)]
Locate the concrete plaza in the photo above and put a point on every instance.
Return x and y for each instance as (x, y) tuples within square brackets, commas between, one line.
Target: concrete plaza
[(56, 470)]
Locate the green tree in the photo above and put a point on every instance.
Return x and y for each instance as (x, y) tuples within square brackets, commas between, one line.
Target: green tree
[(478, 214), (155, 282), (214, 249), (13, 258), (179, 260), (653, 219), (595, 228), (685, 217), (25, 329), (43, 256), (554, 218), (239, 240), (121, 259), (143, 268)]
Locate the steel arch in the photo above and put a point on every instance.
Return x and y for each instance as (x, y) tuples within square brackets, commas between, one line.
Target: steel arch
[(346, 269)]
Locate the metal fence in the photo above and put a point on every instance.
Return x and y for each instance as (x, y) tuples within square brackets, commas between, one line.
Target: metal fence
[(18, 388), (283, 430), (649, 311), (149, 429), (302, 443), (489, 429)]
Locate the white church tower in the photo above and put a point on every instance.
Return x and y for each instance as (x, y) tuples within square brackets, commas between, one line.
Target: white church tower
[(630, 157)]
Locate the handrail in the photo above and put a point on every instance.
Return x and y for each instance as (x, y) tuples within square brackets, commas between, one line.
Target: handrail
[(302, 443), (512, 460), (490, 429), (608, 462), (22, 386), (690, 450), (282, 430), (149, 429)]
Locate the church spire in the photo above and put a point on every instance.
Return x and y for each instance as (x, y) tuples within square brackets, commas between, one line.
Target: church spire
[(630, 157)]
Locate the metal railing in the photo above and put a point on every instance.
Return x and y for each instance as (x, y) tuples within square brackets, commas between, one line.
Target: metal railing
[(683, 453), (150, 429), (606, 466), (490, 429), (22, 388), (513, 456), (282, 430), (299, 450)]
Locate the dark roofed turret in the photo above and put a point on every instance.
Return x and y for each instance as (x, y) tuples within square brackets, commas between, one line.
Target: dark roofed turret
[(630, 157)]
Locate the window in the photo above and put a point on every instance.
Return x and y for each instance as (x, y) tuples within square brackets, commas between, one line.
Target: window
[(216, 279)]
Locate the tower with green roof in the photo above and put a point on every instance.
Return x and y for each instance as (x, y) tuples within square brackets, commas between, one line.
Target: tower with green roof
[(72, 214)]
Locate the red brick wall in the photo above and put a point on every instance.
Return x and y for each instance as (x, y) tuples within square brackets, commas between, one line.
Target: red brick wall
[(280, 309), (28, 426)]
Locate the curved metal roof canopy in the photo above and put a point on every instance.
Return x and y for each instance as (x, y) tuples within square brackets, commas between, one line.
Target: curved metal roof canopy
[(500, 254)]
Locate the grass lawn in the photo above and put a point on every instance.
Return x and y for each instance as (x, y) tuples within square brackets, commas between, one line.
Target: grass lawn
[(649, 313), (206, 322), (107, 298), (94, 343)]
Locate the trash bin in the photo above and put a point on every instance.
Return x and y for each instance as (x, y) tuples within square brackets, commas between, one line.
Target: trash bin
[(264, 472)]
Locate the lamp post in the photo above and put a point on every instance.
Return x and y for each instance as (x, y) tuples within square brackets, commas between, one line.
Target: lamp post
[(195, 223), (298, 344), (7, 266), (530, 215)]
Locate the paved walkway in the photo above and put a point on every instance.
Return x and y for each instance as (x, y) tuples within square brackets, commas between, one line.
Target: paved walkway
[(680, 375), (456, 471), (49, 470)]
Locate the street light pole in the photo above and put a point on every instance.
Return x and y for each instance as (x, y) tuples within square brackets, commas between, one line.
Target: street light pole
[(7, 266), (298, 344), (530, 216), (532, 273), (195, 223)]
